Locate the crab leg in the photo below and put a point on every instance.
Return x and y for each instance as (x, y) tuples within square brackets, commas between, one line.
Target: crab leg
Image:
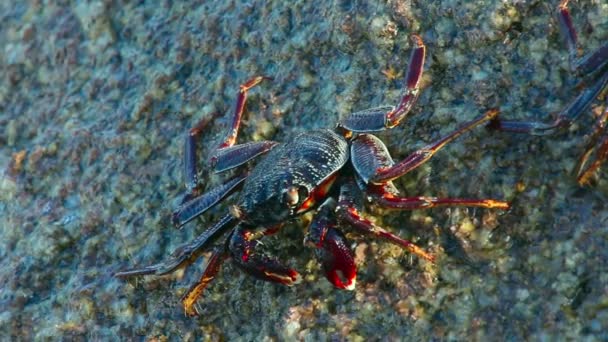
[(196, 290), (198, 205), (354, 218), (230, 138), (601, 148), (381, 118), (564, 119), (347, 212), (230, 157), (226, 155), (332, 247), (424, 154), (587, 66), (387, 199), (185, 254), (190, 162), (601, 155), (242, 246), (369, 154), (589, 63)]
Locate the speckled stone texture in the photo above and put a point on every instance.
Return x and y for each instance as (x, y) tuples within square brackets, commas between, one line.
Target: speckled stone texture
[(95, 97)]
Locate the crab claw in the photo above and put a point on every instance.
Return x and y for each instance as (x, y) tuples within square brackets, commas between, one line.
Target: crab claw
[(257, 263), (338, 260)]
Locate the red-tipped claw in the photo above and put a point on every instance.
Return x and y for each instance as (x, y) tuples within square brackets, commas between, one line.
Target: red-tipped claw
[(338, 260)]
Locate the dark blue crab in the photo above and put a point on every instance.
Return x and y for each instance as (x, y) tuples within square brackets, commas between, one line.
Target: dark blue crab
[(331, 171)]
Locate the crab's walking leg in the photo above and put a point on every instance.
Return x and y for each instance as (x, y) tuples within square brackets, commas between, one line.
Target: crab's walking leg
[(601, 154), (600, 134), (224, 158), (591, 66), (242, 247), (230, 138), (565, 117), (227, 155), (198, 205), (386, 198), (185, 254), (369, 154), (196, 290), (588, 64), (422, 155), (568, 30), (381, 118), (190, 162), (230, 157), (347, 212), (332, 247)]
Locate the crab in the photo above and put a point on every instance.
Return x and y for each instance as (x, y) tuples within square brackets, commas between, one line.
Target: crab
[(593, 69), (330, 171)]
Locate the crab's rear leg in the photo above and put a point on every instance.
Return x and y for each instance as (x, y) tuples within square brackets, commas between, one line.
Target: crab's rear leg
[(246, 253), (227, 155), (381, 118), (361, 154), (185, 254), (232, 134), (196, 290), (332, 247)]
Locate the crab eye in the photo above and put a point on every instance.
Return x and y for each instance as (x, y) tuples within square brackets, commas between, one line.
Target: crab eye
[(291, 196)]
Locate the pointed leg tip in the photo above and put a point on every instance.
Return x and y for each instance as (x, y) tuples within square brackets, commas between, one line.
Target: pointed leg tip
[(493, 112), (502, 205), (175, 220), (417, 40), (134, 272), (296, 279), (190, 310), (584, 179), (253, 82), (118, 275), (430, 258)]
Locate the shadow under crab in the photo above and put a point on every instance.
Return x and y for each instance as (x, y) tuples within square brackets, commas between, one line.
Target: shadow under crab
[(332, 171)]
